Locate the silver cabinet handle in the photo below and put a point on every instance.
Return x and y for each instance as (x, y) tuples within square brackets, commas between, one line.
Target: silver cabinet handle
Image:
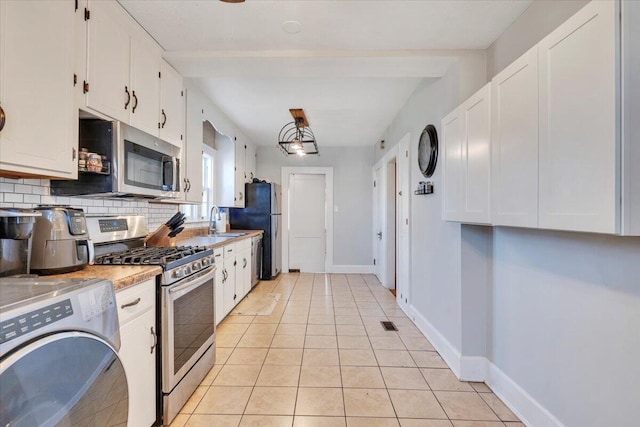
[(155, 339), (131, 304), (245, 263), (240, 195)]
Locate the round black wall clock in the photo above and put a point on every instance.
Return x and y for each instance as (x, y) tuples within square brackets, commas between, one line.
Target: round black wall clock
[(428, 151)]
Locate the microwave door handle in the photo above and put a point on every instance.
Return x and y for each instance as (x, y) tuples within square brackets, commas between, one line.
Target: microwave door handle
[(166, 180)]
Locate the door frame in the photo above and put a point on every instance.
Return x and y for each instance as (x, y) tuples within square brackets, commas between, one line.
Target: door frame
[(403, 182), (382, 187), (328, 214)]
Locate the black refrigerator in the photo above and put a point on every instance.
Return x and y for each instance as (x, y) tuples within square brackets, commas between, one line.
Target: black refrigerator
[(262, 212)]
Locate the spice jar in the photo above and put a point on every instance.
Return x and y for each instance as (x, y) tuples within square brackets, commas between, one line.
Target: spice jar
[(83, 157), (94, 164)]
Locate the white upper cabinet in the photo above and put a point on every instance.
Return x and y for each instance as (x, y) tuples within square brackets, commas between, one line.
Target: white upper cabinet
[(579, 157), (108, 60), (40, 133), (250, 162), (452, 164), (145, 84), (514, 143), (191, 167), (124, 74), (171, 105), (475, 114), (240, 172)]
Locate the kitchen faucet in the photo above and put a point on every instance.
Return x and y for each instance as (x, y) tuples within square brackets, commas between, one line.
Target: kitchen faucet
[(212, 227)]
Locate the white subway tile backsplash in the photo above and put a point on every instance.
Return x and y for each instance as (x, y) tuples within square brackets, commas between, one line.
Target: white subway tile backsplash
[(28, 193), (32, 198), (7, 188), (13, 197)]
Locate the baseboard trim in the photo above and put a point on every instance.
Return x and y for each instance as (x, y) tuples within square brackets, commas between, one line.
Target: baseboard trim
[(352, 269), (528, 409), (447, 351), (473, 368), (477, 368)]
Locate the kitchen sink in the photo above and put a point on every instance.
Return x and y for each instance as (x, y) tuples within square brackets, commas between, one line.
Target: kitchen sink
[(230, 234)]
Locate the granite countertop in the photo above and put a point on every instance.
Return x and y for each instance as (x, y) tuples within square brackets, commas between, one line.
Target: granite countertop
[(122, 276), (216, 241)]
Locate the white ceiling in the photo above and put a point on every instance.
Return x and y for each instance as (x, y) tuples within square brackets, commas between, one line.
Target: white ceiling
[(352, 66)]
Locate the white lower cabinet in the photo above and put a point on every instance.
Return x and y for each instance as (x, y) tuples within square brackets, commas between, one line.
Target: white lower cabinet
[(137, 317), (219, 285), (233, 276)]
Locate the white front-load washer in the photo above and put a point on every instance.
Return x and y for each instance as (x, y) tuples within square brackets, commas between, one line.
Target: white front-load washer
[(58, 354)]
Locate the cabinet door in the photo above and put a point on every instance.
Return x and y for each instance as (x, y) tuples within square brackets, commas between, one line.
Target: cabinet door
[(219, 286), (225, 172), (229, 290), (476, 157), (108, 60), (452, 163), (246, 271), (145, 84), (171, 105), (514, 143), (191, 168), (578, 63), (240, 155), (138, 349), (250, 162), (80, 37), (36, 88)]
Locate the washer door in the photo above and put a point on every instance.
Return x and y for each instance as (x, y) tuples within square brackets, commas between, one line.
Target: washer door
[(66, 379)]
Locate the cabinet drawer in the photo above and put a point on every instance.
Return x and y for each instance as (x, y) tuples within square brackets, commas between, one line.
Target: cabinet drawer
[(218, 256), (243, 245), (230, 250), (135, 300)]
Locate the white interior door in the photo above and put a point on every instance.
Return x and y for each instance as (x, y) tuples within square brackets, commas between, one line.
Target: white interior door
[(307, 229), (404, 195)]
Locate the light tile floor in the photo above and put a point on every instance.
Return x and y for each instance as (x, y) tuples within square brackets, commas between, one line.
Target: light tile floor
[(322, 358)]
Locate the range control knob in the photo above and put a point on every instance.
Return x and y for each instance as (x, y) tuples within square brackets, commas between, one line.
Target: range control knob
[(196, 266), (187, 270), (178, 273)]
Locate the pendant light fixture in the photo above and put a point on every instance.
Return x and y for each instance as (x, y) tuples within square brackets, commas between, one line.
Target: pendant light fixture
[(296, 137)]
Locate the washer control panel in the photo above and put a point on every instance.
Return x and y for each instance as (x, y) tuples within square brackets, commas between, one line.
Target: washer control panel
[(36, 319)]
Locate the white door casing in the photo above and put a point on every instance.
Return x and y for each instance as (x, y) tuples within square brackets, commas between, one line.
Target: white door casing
[(307, 229), (378, 209), (404, 199), (328, 173)]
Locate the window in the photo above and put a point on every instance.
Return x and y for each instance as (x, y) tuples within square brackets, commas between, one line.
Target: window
[(201, 212)]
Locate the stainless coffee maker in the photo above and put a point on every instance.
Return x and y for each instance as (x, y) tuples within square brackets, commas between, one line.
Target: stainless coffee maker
[(60, 240), (16, 226)]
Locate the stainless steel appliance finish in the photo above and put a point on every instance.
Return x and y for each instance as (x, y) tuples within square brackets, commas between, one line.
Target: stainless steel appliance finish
[(262, 212), (142, 166), (186, 302), (256, 259), (60, 240), (16, 227), (58, 353)]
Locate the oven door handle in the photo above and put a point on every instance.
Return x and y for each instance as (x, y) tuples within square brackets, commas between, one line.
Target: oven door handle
[(193, 282)]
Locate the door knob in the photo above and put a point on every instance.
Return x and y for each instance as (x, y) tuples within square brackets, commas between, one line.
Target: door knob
[(379, 235)]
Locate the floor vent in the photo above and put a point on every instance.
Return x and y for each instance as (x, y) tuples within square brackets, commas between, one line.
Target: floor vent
[(294, 270), (388, 326)]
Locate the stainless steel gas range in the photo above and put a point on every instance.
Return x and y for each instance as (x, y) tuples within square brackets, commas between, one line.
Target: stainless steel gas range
[(185, 302)]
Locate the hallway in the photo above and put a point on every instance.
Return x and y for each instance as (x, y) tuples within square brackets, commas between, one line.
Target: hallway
[(322, 358)]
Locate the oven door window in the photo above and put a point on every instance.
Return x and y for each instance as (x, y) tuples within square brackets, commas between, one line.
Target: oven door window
[(147, 168), (192, 323)]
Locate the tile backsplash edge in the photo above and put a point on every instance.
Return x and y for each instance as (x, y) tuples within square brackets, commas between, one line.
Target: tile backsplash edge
[(29, 193)]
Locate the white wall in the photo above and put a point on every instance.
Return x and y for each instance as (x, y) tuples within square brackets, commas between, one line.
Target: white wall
[(566, 306), (436, 286), (566, 322), (352, 195)]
